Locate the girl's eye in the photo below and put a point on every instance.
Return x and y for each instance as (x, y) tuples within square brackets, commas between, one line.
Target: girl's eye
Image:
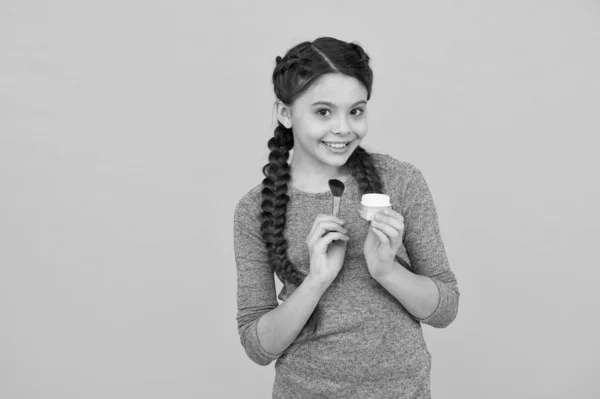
[(320, 111)]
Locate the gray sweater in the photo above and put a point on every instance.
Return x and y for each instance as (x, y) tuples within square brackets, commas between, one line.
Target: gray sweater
[(366, 345)]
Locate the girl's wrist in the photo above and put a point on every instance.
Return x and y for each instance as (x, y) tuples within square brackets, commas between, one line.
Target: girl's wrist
[(317, 282)]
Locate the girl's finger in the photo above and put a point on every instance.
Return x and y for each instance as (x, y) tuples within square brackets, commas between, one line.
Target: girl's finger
[(394, 214), (382, 237), (320, 218), (391, 220), (321, 229), (323, 243), (386, 228)]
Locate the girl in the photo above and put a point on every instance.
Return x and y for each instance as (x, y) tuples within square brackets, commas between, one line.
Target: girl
[(349, 325)]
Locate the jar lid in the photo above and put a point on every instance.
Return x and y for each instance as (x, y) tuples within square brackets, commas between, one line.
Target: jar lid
[(375, 200)]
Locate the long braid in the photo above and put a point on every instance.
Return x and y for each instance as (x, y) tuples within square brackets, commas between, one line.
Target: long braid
[(293, 74), (274, 205), (363, 170)]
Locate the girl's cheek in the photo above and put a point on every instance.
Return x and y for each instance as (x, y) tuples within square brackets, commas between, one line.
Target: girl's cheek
[(360, 128)]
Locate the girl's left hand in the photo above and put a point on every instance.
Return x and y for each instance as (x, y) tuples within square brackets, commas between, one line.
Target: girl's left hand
[(383, 241)]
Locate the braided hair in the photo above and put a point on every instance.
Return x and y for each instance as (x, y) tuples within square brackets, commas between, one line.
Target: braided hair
[(293, 75)]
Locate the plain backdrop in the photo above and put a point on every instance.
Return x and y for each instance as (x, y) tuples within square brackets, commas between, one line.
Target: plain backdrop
[(130, 129)]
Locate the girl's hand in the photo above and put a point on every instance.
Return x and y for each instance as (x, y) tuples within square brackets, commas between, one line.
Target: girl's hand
[(327, 247), (383, 241)]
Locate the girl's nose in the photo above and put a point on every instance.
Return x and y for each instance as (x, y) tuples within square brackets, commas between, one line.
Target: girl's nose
[(343, 126)]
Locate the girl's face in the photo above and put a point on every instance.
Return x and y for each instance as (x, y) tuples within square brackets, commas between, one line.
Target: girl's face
[(333, 110)]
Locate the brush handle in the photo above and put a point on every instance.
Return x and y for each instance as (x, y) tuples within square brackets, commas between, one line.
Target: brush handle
[(336, 205)]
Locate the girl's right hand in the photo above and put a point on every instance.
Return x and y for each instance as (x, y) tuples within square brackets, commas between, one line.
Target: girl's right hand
[(327, 247)]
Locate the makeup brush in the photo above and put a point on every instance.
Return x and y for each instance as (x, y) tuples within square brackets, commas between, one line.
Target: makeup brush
[(337, 189)]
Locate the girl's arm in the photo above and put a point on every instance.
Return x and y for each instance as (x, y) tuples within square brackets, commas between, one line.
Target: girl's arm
[(278, 328), (418, 294), (430, 291), (266, 328)]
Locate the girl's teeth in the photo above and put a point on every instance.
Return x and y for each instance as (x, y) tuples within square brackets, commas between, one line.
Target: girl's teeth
[(335, 145)]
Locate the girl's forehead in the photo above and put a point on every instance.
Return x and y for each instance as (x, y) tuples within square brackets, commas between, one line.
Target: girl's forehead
[(335, 88)]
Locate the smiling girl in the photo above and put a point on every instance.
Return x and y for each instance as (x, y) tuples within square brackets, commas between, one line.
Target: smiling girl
[(349, 325)]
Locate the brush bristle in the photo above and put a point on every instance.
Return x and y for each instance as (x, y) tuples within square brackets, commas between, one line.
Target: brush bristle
[(336, 187)]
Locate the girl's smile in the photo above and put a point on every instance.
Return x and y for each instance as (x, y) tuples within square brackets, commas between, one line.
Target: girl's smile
[(339, 147)]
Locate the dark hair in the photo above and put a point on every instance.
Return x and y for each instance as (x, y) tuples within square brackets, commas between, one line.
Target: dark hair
[(293, 75)]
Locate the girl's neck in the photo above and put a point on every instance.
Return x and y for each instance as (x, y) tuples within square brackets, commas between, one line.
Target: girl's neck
[(315, 180)]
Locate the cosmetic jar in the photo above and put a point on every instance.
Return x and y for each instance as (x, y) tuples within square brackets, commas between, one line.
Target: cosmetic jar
[(372, 204)]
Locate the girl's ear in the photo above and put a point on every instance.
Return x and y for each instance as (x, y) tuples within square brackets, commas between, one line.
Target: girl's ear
[(284, 114)]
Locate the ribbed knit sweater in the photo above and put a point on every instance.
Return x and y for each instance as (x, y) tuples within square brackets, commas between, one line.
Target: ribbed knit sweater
[(366, 345)]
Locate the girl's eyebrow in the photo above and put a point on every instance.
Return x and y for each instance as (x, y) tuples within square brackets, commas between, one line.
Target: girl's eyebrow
[(333, 105)]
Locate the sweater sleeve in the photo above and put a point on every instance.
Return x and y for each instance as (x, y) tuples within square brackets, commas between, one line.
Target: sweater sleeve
[(426, 250), (256, 292)]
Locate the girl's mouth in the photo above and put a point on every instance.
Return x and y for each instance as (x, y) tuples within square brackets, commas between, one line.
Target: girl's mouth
[(336, 148)]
